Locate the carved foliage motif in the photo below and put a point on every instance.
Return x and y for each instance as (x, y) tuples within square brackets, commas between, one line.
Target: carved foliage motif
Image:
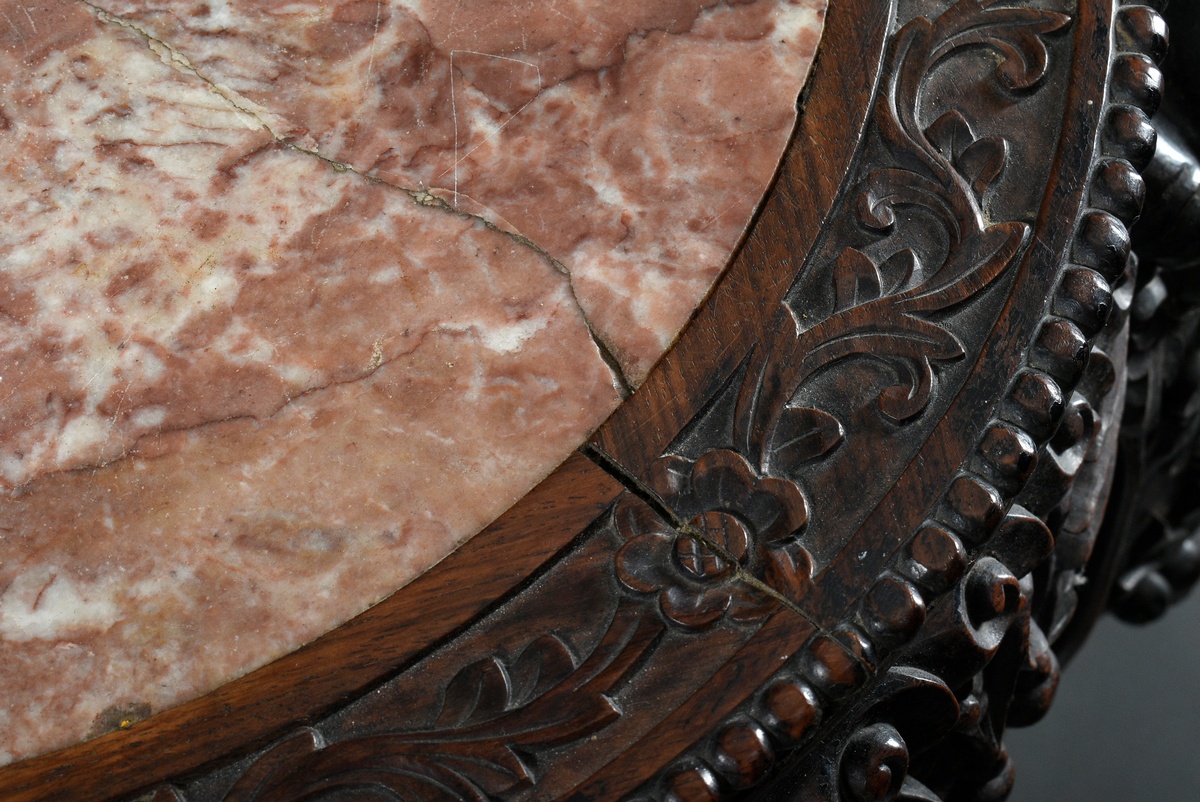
[(887, 309), (495, 715), (923, 669), (726, 522), (977, 650)]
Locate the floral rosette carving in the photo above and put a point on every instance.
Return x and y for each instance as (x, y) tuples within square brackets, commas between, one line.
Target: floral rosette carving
[(732, 540)]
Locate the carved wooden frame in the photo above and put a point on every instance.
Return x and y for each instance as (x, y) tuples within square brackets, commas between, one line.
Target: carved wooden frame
[(823, 547)]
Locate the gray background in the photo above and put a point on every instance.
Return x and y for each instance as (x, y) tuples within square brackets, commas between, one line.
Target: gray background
[(1125, 725)]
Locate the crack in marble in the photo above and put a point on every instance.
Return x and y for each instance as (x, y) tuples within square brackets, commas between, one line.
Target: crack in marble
[(177, 60), (378, 362), (287, 523), (425, 198)]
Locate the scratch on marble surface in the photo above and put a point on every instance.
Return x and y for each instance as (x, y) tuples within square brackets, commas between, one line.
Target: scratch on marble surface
[(296, 517), (454, 112), (181, 62), (28, 16), (374, 37)]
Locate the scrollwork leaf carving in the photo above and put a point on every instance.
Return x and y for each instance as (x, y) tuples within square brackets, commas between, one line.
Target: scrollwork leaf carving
[(1015, 32), (496, 713), (811, 435), (855, 280), (923, 44), (979, 160), (982, 162), (885, 310), (963, 276), (488, 688)]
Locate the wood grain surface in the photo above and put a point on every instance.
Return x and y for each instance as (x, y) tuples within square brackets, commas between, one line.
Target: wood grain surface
[(826, 550)]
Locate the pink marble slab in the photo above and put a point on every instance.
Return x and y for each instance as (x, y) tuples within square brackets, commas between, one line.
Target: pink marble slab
[(296, 297)]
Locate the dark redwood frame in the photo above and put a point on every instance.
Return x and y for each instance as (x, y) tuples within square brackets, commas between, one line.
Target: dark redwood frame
[(822, 547)]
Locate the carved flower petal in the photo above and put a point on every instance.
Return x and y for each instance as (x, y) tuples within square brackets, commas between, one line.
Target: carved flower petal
[(737, 539), (634, 517), (641, 563), (779, 509), (750, 604), (669, 476), (694, 608), (802, 435), (788, 570), (723, 479)]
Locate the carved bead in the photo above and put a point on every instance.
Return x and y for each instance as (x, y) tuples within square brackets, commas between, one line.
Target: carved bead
[(936, 558), (892, 611), (1010, 453), (743, 754), (1078, 424), (1148, 299), (1102, 243), (1037, 681), (1100, 376), (692, 784), (1022, 541), (1085, 298), (856, 642), (1036, 403), (1061, 350), (1182, 567), (1138, 81), (1119, 189), (831, 668), (1000, 785), (1123, 288), (1146, 600), (1128, 134), (790, 709), (874, 763), (1142, 29), (992, 591), (974, 507)]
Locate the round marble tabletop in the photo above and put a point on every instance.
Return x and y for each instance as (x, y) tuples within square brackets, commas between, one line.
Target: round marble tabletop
[(295, 298), (339, 341)]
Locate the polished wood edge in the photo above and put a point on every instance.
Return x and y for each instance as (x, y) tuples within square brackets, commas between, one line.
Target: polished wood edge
[(245, 713), (727, 732), (974, 501), (713, 345)]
